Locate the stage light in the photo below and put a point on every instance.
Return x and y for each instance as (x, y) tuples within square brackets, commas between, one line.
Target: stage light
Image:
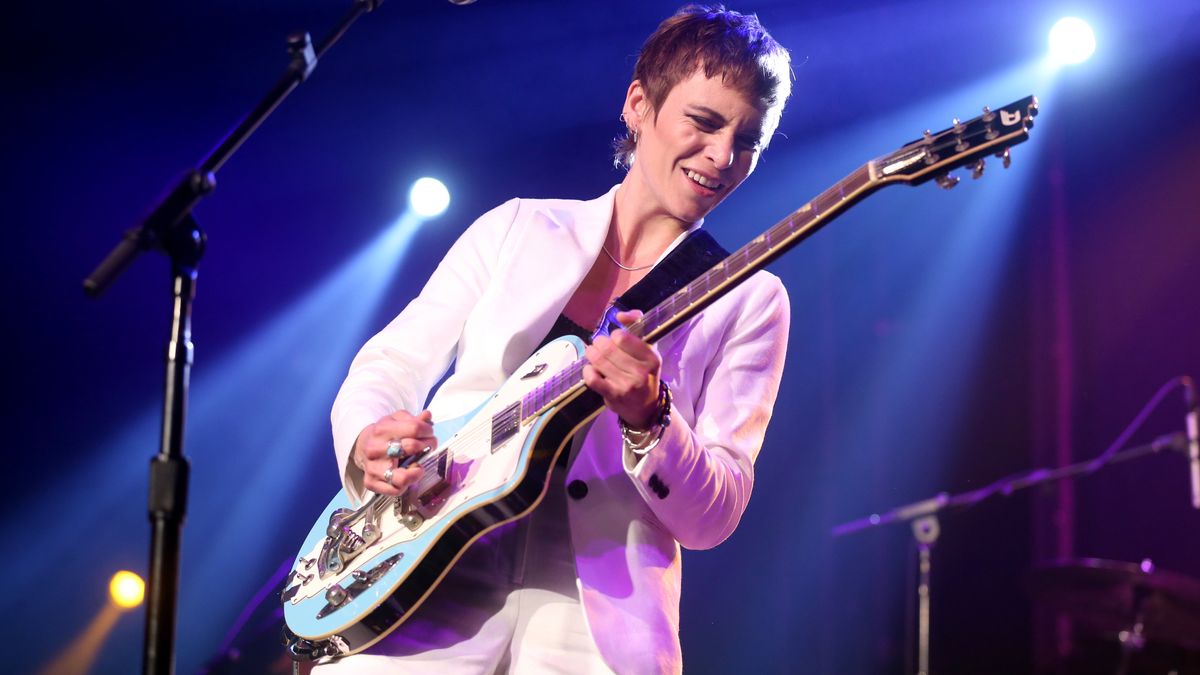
[(428, 197), (1071, 41), (127, 589)]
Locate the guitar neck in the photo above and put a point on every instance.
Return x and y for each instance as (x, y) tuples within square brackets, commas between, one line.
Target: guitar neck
[(931, 157), (755, 255)]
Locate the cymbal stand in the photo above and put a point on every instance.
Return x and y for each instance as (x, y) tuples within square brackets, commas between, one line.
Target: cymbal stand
[(925, 531), (1132, 641)]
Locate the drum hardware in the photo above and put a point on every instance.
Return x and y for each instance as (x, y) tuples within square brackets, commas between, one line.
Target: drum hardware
[(1131, 604)]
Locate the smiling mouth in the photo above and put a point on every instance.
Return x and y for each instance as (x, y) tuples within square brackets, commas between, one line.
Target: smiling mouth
[(702, 181)]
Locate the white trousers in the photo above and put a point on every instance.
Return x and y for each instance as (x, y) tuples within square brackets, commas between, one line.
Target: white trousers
[(511, 605)]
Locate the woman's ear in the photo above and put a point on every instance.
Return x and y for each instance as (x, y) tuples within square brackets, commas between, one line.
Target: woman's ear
[(637, 105)]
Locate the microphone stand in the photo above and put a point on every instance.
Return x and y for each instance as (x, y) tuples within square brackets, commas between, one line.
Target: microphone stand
[(923, 515), (172, 229)]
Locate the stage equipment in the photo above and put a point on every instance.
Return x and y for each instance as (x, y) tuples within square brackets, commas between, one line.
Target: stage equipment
[(923, 514), (126, 589), (1193, 437), (428, 197), (1071, 41), (1127, 603), (172, 229)]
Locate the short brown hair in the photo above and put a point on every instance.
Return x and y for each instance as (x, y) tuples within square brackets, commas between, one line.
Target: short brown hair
[(723, 42)]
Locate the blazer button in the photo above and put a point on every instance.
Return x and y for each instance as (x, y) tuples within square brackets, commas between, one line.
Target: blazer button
[(658, 487), (577, 489)]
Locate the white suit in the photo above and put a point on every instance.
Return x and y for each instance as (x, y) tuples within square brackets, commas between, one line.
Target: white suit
[(489, 303)]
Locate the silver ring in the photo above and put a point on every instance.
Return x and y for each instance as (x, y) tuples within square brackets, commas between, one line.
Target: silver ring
[(387, 477), (393, 449)]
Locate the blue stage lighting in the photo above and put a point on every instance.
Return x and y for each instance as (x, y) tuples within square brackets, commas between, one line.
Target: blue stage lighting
[(428, 197), (1071, 41)]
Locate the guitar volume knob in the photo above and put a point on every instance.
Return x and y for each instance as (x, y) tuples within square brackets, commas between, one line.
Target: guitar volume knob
[(335, 595)]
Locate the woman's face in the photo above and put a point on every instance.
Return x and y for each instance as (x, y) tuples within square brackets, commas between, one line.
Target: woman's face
[(703, 142)]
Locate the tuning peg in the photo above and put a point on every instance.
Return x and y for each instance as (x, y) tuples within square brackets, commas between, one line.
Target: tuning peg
[(977, 169), (946, 181), (959, 127), (930, 158), (1006, 157), (988, 115)]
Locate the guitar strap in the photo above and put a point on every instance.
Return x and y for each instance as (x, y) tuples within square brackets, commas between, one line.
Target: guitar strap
[(695, 255)]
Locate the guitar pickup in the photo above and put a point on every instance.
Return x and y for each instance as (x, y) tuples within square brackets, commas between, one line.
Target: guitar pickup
[(433, 482), (505, 425)]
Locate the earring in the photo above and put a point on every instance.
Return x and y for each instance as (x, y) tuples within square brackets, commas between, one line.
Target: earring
[(633, 134)]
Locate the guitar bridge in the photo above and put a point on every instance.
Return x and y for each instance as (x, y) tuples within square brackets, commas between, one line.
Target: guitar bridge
[(342, 544)]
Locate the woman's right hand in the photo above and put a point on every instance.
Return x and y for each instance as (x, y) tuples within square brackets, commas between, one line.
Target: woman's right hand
[(413, 433)]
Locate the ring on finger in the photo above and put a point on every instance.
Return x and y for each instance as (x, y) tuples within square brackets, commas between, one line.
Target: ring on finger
[(393, 449), (387, 477)]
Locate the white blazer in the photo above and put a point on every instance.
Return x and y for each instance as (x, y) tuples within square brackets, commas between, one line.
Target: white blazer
[(487, 306)]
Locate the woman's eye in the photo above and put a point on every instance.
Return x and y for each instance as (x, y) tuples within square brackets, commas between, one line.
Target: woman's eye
[(704, 122)]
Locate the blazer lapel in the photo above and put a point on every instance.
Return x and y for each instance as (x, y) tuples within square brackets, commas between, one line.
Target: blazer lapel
[(557, 250)]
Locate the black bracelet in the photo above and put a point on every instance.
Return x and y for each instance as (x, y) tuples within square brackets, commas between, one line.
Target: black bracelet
[(642, 441)]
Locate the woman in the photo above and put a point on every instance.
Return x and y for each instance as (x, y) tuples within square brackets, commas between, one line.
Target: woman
[(590, 581)]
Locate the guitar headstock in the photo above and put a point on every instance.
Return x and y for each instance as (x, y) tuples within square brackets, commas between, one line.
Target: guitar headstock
[(965, 143)]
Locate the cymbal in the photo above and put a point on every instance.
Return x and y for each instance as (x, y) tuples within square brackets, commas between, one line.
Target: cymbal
[(1105, 596)]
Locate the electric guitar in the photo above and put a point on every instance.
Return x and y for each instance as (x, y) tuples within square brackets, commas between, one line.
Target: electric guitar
[(362, 571)]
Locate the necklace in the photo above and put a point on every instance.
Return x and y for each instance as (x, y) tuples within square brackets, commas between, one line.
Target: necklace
[(618, 263)]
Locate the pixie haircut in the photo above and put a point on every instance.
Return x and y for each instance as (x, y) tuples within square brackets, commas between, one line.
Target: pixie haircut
[(721, 42)]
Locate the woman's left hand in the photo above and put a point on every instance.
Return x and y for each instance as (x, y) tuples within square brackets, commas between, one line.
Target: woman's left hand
[(624, 370)]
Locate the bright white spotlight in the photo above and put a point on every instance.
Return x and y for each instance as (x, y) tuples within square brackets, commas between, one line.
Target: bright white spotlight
[(1071, 41), (428, 197)]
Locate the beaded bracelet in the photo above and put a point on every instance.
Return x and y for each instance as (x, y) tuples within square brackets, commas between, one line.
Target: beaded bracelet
[(642, 441)]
